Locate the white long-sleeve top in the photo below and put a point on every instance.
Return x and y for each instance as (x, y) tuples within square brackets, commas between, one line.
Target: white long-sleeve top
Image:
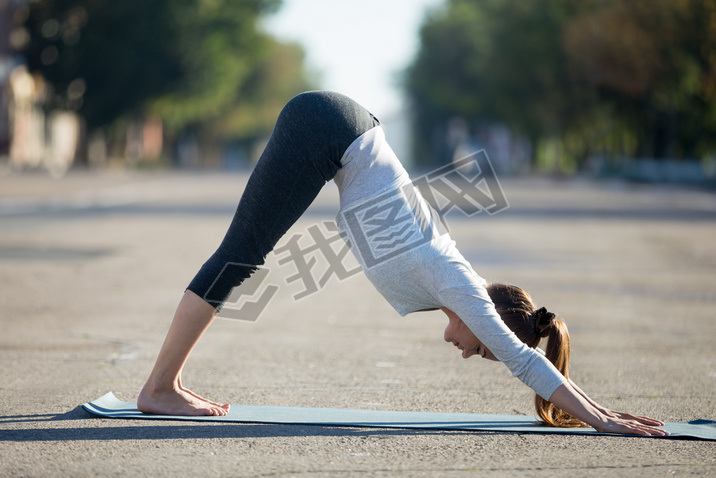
[(412, 261)]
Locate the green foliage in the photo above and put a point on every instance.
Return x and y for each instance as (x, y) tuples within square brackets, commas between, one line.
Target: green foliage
[(619, 77), (200, 65), (122, 52)]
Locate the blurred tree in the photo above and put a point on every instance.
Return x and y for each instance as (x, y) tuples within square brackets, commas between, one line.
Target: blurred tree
[(240, 77), (200, 65), (654, 63), (621, 76), (492, 61)]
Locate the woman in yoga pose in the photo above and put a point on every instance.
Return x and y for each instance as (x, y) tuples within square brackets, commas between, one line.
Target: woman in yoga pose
[(321, 136)]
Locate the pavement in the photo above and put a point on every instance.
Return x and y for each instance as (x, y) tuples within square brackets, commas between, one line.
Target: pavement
[(93, 265)]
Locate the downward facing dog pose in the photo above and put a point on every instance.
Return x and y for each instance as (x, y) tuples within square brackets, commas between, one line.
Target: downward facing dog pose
[(321, 136)]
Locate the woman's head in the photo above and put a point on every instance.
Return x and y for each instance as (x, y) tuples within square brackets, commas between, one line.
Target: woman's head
[(462, 337), (531, 325)]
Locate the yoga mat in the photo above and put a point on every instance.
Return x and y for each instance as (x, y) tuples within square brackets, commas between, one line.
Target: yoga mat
[(110, 406)]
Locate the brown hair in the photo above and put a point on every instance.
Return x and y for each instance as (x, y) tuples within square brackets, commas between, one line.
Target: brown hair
[(531, 325)]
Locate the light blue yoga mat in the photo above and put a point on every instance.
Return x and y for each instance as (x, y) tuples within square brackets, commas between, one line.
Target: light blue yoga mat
[(110, 406)]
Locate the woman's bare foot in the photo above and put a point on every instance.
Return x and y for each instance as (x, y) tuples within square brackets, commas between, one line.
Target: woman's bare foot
[(177, 402), (214, 404)]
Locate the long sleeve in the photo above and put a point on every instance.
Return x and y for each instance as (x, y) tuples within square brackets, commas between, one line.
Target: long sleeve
[(411, 260), (463, 292)]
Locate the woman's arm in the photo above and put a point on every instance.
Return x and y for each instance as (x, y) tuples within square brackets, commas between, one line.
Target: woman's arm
[(612, 413), (576, 403)]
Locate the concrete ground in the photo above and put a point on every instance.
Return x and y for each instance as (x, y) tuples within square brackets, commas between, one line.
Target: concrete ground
[(92, 267)]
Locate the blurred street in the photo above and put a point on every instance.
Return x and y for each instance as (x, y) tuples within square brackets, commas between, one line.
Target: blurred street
[(93, 265)]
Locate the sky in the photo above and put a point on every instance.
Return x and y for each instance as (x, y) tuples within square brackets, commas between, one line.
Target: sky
[(359, 48)]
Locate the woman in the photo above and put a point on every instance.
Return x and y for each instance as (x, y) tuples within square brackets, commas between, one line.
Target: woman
[(402, 249)]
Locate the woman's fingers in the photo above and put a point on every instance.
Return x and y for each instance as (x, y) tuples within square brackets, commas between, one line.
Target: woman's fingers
[(650, 421), (655, 432), (646, 430), (645, 420), (632, 427)]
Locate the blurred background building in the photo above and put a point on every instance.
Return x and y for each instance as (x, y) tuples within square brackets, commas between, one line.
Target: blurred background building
[(624, 87)]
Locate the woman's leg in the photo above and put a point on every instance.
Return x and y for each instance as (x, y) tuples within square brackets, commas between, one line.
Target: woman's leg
[(163, 392), (311, 134)]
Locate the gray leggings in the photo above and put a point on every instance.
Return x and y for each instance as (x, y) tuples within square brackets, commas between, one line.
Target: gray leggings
[(304, 152)]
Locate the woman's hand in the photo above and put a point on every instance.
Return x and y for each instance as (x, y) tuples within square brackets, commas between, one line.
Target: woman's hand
[(614, 414), (575, 402), (628, 416), (633, 426)]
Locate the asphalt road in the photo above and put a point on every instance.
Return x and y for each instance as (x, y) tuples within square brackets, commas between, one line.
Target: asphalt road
[(92, 267)]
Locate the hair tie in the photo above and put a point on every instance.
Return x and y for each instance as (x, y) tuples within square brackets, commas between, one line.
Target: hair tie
[(543, 321)]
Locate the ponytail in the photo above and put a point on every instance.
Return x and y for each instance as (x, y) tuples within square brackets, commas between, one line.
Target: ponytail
[(557, 351), (531, 325)]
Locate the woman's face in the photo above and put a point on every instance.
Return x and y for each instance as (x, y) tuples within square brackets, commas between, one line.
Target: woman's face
[(462, 337)]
